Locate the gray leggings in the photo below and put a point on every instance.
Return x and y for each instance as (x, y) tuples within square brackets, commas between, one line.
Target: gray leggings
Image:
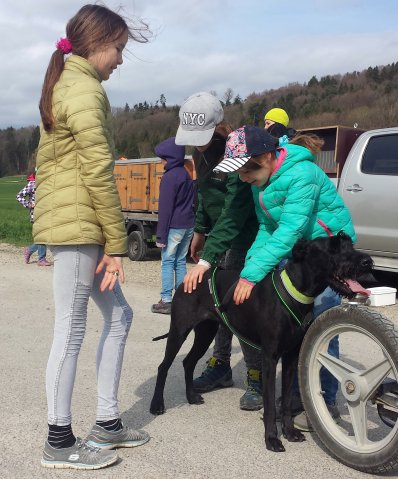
[(74, 282), (234, 259)]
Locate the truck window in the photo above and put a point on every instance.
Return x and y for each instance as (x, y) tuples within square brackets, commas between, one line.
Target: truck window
[(381, 156)]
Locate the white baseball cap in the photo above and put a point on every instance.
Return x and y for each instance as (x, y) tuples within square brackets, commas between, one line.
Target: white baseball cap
[(199, 115)]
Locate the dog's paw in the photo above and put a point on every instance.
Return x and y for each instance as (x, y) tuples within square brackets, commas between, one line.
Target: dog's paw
[(274, 444), (157, 408), (293, 435), (195, 398)]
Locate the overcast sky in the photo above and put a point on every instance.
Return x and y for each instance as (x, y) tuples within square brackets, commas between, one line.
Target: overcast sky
[(201, 45)]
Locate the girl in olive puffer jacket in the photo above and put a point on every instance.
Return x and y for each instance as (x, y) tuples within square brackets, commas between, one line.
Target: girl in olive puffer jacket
[(78, 215)]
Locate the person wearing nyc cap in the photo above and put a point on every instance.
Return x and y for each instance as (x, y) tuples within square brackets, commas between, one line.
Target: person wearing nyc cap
[(293, 199), (225, 212), (276, 122)]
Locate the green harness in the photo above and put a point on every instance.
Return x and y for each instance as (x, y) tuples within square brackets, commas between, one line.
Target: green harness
[(296, 303)]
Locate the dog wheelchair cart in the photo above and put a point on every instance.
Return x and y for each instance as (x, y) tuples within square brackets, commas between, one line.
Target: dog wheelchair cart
[(366, 436)]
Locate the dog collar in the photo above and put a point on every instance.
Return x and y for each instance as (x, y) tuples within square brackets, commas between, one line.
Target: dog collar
[(293, 291), (300, 311)]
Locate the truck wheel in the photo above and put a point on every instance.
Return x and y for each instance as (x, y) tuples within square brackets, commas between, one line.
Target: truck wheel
[(368, 359), (137, 247)]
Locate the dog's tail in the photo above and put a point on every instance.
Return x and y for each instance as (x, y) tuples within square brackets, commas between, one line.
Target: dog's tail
[(160, 337)]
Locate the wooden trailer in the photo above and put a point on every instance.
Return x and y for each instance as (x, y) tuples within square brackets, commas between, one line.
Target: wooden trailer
[(338, 142), (138, 182)]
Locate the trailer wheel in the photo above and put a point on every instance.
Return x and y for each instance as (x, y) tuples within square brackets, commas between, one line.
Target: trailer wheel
[(137, 247), (368, 359)]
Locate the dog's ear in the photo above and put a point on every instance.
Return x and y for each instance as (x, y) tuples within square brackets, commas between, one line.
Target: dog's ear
[(339, 242), (335, 243), (344, 235), (300, 249)]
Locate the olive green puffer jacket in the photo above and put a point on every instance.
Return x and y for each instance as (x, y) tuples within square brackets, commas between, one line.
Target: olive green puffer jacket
[(76, 197)]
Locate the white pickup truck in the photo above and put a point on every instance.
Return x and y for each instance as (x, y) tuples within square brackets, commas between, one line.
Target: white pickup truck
[(368, 184)]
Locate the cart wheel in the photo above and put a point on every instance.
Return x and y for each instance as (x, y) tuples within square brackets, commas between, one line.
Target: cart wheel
[(368, 359), (137, 247)]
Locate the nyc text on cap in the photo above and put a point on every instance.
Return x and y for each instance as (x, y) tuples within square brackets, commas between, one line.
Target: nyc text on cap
[(199, 116)]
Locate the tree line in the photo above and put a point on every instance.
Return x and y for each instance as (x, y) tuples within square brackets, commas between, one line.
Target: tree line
[(368, 99)]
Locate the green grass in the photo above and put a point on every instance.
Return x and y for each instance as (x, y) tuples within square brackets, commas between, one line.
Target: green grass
[(15, 227)]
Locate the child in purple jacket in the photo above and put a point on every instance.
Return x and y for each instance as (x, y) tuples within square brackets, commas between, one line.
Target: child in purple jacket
[(176, 219)]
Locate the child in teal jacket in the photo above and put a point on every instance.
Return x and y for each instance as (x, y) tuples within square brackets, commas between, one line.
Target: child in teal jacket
[(293, 199)]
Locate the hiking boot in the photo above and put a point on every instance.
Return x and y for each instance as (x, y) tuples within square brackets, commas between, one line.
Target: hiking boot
[(43, 262), (252, 400), (27, 254), (302, 422), (161, 307), (125, 437), (218, 374), (79, 456)]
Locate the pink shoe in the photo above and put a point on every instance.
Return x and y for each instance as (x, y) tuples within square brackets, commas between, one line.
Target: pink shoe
[(43, 262), (26, 254)]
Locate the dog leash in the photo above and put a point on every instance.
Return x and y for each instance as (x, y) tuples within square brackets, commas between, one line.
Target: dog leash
[(223, 316)]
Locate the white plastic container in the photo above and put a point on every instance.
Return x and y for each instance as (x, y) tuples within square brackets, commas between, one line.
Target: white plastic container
[(382, 296)]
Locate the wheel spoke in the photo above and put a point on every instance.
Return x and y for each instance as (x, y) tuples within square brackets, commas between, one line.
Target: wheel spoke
[(373, 377), (335, 366), (359, 419)]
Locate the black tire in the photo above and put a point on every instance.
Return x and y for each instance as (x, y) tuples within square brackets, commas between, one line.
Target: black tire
[(137, 247), (358, 441)]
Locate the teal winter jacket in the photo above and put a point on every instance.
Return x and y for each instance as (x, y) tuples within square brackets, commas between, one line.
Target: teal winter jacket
[(299, 201)]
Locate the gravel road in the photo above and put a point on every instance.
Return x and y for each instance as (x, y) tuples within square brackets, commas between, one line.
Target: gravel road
[(213, 440)]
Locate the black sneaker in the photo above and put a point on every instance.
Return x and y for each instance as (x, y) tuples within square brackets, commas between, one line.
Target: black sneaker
[(79, 456), (218, 374), (161, 307)]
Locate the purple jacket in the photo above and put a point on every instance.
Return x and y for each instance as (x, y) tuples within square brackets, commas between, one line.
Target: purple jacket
[(177, 191)]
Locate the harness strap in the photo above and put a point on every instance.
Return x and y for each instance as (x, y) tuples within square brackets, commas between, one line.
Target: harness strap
[(289, 296), (223, 316)]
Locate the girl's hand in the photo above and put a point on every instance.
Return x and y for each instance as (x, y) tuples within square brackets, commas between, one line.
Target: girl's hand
[(197, 244), (242, 291), (113, 270), (193, 277)]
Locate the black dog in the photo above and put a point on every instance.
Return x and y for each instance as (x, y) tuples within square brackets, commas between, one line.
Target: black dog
[(270, 318)]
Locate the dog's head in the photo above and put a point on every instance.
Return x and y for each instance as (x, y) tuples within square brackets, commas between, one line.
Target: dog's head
[(333, 261)]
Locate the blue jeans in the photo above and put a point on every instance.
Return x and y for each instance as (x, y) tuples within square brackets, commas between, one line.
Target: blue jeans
[(40, 248), (74, 283), (174, 263), (326, 300)]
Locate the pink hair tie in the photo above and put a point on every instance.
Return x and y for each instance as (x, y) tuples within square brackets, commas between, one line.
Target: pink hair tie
[(64, 45)]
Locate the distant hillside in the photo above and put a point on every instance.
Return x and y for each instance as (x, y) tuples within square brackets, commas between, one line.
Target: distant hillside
[(368, 99)]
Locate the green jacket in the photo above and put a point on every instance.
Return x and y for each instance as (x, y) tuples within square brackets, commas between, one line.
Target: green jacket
[(225, 209), (76, 197), (299, 201)]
